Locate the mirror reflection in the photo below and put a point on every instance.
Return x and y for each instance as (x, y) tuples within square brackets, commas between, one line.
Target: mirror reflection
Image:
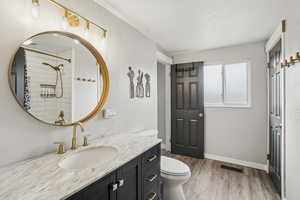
[(56, 79)]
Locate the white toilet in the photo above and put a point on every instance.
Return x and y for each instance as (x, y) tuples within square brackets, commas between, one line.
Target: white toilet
[(174, 173)]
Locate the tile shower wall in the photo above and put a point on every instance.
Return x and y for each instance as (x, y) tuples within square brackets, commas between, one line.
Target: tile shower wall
[(48, 109), (85, 66), (24, 136)]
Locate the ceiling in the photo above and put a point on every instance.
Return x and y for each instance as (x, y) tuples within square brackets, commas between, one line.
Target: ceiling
[(190, 25)]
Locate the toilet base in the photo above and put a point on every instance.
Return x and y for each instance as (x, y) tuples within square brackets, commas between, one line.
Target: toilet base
[(173, 192)]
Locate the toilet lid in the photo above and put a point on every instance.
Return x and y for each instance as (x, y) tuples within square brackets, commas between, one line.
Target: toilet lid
[(174, 167)]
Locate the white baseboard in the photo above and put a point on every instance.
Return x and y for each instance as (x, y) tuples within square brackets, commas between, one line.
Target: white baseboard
[(237, 162)]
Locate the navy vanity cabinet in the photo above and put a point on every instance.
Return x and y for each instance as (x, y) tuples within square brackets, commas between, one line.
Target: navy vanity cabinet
[(136, 180), (151, 174), (129, 181), (102, 189)]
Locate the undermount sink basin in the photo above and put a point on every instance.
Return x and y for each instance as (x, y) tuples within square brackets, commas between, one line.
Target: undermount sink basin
[(89, 158)]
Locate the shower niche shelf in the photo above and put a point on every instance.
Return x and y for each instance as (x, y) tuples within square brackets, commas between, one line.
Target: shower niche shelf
[(48, 91)]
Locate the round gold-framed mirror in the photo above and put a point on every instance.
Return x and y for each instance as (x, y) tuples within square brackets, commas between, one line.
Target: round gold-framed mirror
[(59, 78)]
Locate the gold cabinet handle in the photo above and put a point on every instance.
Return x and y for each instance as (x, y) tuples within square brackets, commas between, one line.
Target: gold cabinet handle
[(114, 187), (152, 196), (151, 179), (121, 183), (152, 158)]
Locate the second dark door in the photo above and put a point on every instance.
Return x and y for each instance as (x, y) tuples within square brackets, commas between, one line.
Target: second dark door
[(187, 134), (275, 115)]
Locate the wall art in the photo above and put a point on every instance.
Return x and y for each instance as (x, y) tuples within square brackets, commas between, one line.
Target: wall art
[(140, 85), (148, 88), (130, 74), (139, 90)]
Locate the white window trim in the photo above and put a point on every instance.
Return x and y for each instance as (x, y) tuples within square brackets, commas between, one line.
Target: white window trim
[(249, 88)]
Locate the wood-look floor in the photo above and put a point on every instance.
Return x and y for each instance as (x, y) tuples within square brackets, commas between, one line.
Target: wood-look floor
[(210, 182)]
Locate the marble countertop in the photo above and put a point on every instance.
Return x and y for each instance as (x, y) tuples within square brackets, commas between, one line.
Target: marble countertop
[(42, 179)]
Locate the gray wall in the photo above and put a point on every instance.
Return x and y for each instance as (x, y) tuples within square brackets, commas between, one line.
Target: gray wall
[(23, 137), (161, 101), (238, 133)]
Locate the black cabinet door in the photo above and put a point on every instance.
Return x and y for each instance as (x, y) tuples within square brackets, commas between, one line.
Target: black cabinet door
[(129, 181), (78, 196), (101, 190)]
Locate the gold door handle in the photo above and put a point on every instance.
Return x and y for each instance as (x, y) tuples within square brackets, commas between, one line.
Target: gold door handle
[(114, 187), (151, 179), (152, 196), (152, 158)]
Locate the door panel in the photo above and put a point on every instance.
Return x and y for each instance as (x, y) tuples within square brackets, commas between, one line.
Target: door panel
[(179, 132), (187, 136), (194, 95), (193, 128), (180, 96), (275, 116)]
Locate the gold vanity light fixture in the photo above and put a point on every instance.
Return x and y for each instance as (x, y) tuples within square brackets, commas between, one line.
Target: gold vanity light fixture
[(35, 8), (70, 17), (87, 29), (64, 23)]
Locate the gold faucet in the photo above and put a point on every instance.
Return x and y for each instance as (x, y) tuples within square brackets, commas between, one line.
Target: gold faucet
[(61, 147), (74, 138)]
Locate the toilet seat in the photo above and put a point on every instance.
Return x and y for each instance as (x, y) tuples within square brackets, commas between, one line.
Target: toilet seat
[(173, 167)]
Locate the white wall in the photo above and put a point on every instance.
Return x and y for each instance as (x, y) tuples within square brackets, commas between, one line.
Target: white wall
[(22, 136), (292, 103), (85, 93), (238, 133)]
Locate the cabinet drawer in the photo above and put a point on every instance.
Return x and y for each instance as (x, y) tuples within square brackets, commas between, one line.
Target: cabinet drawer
[(151, 157), (151, 179)]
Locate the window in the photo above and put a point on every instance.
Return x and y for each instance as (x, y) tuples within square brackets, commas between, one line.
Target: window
[(227, 85), (213, 84)]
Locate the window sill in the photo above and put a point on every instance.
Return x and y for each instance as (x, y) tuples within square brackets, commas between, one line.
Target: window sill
[(226, 106)]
